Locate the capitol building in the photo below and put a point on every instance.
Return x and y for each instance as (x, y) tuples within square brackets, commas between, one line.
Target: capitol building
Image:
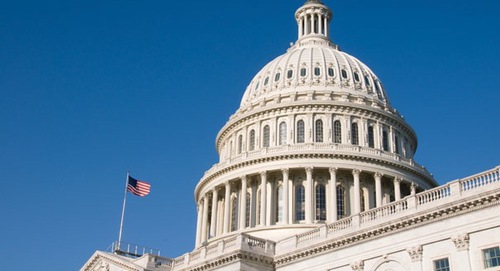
[(316, 171)]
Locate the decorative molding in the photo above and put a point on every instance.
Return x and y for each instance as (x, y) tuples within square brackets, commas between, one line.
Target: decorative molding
[(358, 266), (415, 253), (461, 241)]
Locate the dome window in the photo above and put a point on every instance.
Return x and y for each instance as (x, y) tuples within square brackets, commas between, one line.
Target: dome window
[(331, 72), (356, 76), (277, 77), (317, 71), (303, 72), (266, 81), (344, 74), (257, 86), (289, 74), (367, 81)]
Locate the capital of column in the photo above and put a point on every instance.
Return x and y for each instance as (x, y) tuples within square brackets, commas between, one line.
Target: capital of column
[(397, 180), (263, 173), (332, 170), (356, 172), (285, 170), (461, 241), (309, 170), (243, 178), (415, 253), (378, 175), (358, 266)]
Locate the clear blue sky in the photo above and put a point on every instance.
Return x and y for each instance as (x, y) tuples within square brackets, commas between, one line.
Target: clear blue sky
[(91, 89)]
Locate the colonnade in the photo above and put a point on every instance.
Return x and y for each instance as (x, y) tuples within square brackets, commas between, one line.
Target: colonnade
[(284, 197), (313, 23)]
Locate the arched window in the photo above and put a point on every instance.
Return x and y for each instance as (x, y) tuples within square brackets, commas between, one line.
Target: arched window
[(282, 135), (247, 211), (340, 202), (319, 131), (266, 133), (234, 213), (397, 145), (240, 143), (279, 204), (337, 132), (252, 140), (354, 134), (320, 202), (385, 141), (289, 74), (300, 131), (300, 207), (371, 138)]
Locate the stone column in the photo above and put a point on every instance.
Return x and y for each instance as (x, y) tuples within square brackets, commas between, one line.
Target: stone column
[(227, 204), (326, 25), (413, 189), (263, 199), (205, 219), (243, 203), (309, 196), (460, 257), (213, 223), (253, 204), (378, 188), (397, 188), (286, 188), (198, 223), (357, 196), (332, 207), (320, 24)]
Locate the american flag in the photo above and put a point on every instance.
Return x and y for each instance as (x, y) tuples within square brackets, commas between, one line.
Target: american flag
[(138, 188)]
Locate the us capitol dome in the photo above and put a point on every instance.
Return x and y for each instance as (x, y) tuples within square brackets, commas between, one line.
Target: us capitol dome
[(315, 140), (316, 171)]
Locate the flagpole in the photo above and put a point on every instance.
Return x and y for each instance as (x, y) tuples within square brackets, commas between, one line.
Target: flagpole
[(123, 213)]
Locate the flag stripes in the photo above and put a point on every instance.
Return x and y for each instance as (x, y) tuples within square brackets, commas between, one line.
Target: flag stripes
[(137, 187)]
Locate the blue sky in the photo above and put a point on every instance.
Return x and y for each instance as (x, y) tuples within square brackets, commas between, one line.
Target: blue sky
[(91, 89)]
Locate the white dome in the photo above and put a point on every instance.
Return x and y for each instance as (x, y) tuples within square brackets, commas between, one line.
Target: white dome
[(307, 68)]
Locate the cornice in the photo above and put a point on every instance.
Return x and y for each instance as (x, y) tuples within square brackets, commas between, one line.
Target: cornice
[(403, 224), (231, 258)]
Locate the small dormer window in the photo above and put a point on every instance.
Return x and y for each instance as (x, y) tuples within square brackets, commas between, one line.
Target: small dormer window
[(317, 71), (367, 81), (344, 74), (277, 77), (331, 72), (289, 74), (303, 72), (356, 76), (257, 86), (266, 81)]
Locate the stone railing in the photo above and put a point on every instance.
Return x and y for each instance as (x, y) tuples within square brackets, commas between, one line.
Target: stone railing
[(457, 190), (480, 179), (240, 242)]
